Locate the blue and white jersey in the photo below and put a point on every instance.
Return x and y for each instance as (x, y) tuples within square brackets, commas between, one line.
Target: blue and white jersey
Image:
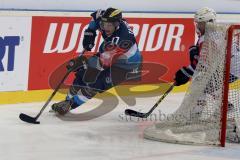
[(119, 49)]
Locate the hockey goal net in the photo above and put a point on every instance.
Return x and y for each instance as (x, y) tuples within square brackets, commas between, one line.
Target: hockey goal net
[(210, 110)]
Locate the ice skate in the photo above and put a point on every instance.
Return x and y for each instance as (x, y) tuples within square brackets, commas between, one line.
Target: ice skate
[(62, 107)]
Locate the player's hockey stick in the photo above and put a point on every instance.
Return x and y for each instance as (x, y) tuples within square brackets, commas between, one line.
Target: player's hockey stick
[(33, 120), (145, 115)]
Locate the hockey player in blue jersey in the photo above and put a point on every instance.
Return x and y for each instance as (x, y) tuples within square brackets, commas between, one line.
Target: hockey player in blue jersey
[(117, 57)]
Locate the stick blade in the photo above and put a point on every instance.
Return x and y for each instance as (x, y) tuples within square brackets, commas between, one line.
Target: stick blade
[(28, 119), (135, 113)]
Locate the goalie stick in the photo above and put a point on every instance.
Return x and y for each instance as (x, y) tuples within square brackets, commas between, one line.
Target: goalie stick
[(33, 120), (145, 115)]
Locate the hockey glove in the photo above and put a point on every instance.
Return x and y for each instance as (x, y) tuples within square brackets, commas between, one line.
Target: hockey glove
[(75, 63), (182, 76), (89, 39)]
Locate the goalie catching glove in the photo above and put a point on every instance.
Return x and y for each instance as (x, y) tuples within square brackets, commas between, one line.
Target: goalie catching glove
[(183, 75), (89, 39)]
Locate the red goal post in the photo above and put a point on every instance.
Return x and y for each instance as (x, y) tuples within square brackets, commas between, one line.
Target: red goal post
[(229, 49)]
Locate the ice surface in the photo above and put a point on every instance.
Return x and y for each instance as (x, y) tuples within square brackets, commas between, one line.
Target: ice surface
[(112, 136)]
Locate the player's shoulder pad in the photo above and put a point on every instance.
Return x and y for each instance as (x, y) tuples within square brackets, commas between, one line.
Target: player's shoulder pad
[(125, 31)]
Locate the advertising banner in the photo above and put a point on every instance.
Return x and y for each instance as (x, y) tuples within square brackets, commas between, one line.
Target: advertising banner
[(164, 42), (14, 53)]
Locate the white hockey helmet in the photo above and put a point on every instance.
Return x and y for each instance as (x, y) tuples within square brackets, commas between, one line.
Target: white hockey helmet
[(205, 14)]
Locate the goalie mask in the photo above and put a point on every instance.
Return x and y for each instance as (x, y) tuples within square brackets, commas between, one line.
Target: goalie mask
[(203, 16), (110, 20)]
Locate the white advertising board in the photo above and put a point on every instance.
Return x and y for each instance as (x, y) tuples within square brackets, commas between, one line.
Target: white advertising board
[(15, 35)]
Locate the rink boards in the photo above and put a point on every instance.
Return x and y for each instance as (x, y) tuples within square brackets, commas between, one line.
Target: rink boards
[(120, 91), (34, 45)]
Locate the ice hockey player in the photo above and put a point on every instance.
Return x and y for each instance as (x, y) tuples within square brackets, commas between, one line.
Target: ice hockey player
[(183, 75), (117, 57), (201, 17)]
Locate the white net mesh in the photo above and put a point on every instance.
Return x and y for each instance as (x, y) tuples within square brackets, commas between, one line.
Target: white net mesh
[(198, 119)]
